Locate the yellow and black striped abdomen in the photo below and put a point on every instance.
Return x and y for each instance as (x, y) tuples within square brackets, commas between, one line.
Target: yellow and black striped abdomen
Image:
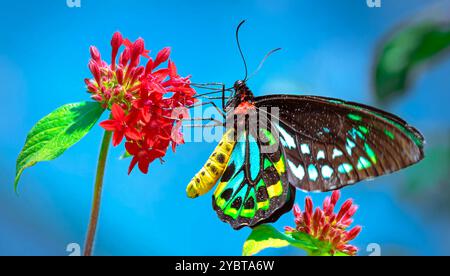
[(213, 169)]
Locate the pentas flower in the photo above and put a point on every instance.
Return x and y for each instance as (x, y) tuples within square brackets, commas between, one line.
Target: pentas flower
[(121, 125), (143, 99), (326, 225)]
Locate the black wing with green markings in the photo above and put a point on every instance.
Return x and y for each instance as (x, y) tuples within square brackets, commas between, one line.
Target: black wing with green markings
[(330, 143)]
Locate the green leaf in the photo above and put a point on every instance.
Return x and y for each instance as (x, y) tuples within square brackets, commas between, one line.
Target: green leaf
[(406, 51), (57, 132), (432, 172), (311, 245), (262, 237), (266, 236)]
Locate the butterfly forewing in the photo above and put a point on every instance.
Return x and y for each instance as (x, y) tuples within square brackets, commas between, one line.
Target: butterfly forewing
[(330, 143)]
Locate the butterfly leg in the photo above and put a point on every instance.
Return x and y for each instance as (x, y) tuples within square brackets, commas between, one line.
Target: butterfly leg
[(207, 85), (203, 119), (216, 90), (211, 119), (211, 103), (214, 86), (204, 126)]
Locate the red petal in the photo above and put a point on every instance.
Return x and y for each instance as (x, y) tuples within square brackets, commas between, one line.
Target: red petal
[(110, 125), (132, 164), (127, 43), (132, 117), (133, 134), (117, 138), (172, 69), (161, 74), (146, 115), (145, 53), (143, 165), (132, 148), (117, 112)]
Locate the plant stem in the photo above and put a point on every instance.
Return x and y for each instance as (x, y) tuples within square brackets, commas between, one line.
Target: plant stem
[(93, 221)]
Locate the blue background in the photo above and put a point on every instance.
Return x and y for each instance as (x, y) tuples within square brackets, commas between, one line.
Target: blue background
[(328, 48)]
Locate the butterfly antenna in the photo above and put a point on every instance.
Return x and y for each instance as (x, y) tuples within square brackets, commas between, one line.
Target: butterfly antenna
[(240, 49), (263, 61)]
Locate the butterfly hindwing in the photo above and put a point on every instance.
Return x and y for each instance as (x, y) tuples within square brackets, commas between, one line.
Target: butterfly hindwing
[(254, 188), (330, 143)]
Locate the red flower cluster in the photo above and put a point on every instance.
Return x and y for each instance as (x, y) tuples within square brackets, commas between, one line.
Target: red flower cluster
[(325, 225), (147, 102)]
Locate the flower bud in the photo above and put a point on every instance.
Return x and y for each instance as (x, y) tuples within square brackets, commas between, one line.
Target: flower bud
[(344, 209), (149, 67), (353, 233), (116, 41), (297, 211), (162, 56), (97, 98), (124, 57), (335, 197), (91, 88), (308, 205), (95, 54), (95, 70), (119, 75), (289, 229), (136, 50)]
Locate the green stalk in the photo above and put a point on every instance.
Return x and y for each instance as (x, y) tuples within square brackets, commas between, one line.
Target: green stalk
[(93, 221)]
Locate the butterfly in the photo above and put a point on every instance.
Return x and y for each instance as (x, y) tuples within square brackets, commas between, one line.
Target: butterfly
[(318, 144), (276, 144)]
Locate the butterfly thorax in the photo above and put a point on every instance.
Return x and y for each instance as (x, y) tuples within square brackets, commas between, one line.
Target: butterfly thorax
[(242, 100)]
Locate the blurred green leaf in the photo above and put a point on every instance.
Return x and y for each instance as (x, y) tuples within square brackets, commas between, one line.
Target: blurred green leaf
[(401, 56), (433, 170), (57, 132), (266, 236)]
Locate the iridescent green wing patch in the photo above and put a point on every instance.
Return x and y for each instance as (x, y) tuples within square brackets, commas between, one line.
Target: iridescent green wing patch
[(254, 188), (330, 143)]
